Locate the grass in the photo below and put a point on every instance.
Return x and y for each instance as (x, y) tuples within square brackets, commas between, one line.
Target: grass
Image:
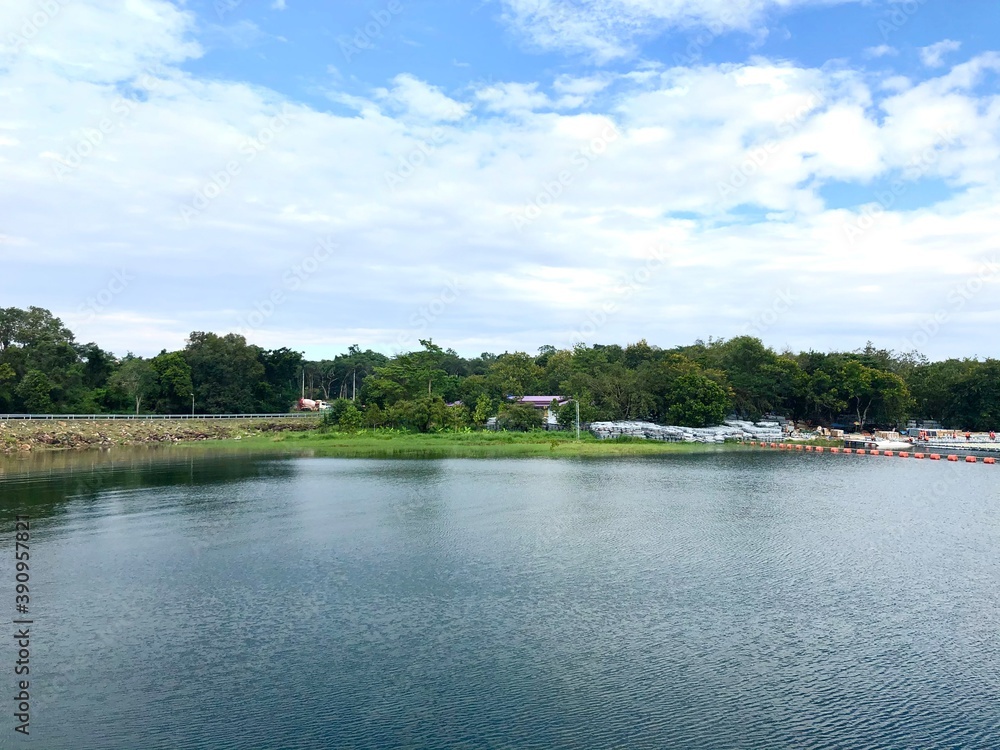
[(397, 444)]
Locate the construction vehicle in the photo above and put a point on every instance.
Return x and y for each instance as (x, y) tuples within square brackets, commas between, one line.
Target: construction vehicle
[(308, 404)]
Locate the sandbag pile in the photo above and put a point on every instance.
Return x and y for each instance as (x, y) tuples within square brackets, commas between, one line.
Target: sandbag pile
[(731, 430)]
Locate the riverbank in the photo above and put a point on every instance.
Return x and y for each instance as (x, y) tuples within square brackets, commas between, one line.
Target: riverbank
[(299, 435), (18, 436), (393, 444)]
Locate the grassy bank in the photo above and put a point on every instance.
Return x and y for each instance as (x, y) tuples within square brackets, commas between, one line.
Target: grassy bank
[(20, 436), (393, 444)]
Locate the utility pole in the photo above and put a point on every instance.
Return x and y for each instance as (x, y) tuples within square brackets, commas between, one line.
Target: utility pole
[(354, 383), (577, 417), (192, 404), (303, 382)]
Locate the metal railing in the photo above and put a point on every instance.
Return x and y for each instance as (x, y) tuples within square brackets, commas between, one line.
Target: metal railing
[(143, 417)]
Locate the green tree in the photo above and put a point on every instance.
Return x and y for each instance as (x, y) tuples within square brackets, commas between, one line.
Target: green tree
[(975, 401), (35, 392), (351, 420), (513, 375), (136, 378), (517, 417), (422, 414), (484, 409), (226, 372), (697, 401), (174, 386), (412, 376), (874, 392), (8, 381)]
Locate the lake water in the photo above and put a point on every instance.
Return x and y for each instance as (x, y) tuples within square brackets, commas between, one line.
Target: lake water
[(718, 600)]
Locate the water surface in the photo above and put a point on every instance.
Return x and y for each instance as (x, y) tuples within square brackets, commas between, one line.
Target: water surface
[(728, 600)]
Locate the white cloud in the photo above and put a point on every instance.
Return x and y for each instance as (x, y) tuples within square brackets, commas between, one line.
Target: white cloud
[(98, 41), (607, 29), (933, 56), (419, 99), (882, 50), (606, 198), (513, 97), (278, 5)]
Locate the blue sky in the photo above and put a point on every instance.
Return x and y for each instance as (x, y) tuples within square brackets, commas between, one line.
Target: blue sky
[(502, 175)]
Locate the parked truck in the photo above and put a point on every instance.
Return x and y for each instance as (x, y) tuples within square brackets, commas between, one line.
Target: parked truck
[(308, 404)]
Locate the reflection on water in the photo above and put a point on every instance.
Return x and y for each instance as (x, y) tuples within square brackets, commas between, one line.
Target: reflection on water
[(738, 600)]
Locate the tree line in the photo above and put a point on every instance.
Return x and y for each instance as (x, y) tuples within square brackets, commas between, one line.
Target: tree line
[(43, 369)]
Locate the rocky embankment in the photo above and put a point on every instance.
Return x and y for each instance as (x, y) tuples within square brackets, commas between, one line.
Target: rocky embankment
[(33, 435), (734, 430)]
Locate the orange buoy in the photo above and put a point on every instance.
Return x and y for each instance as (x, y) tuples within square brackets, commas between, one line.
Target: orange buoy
[(809, 448), (799, 448), (848, 450), (952, 458), (860, 451), (835, 450), (970, 459), (989, 460), (918, 455), (888, 453), (873, 453), (774, 445), (904, 454), (935, 457), (819, 448)]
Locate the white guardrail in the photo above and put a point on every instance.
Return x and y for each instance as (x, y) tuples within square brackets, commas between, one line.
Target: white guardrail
[(142, 417)]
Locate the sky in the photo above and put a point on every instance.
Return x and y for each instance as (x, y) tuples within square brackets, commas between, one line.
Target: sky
[(499, 175)]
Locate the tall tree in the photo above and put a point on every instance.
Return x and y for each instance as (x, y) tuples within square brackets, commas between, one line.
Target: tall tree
[(136, 378)]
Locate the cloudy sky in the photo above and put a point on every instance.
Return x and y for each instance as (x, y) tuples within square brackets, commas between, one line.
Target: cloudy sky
[(503, 174)]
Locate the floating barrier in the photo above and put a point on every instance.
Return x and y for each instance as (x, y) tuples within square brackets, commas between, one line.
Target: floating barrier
[(870, 452)]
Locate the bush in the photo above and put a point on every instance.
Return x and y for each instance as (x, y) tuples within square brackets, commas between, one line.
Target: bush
[(519, 418)]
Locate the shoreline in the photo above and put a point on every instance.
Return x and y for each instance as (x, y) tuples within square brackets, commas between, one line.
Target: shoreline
[(28, 436), (25, 438)]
